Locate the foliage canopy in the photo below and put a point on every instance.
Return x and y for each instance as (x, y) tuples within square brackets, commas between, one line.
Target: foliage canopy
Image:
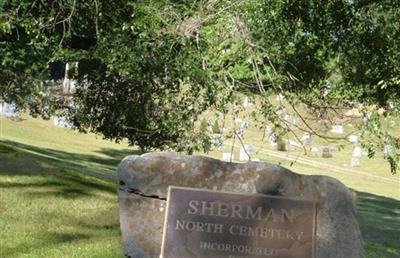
[(148, 70)]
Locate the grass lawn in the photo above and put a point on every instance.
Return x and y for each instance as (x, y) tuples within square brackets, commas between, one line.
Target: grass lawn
[(58, 197)]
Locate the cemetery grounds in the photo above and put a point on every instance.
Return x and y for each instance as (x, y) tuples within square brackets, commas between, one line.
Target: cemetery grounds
[(58, 195)]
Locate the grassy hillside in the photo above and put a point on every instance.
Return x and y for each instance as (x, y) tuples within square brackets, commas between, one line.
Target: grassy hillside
[(58, 197)]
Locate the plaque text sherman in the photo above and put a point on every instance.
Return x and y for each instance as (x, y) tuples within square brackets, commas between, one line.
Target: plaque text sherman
[(202, 223)]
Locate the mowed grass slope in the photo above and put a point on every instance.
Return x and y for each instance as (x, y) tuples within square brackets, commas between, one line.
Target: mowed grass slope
[(50, 207), (58, 197)]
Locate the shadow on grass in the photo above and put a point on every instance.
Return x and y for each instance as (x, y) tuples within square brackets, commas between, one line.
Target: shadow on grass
[(379, 219), (12, 149), (65, 173), (51, 204)]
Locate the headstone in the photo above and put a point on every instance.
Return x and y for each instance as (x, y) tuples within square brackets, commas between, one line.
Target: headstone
[(222, 148), (238, 120), (240, 133), (357, 152), (203, 224), (327, 89), (338, 129), (388, 150), (69, 86), (280, 144), (353, 139), (280, 97), (62, 122), (296, 121), (326, 152), (8, 110), (294, 143), (144, 181), (272, 140), (315, 150), (227, 156), (332, 148), (249, 148), (306, 138), (355, 162), (244, 125), (281, 111), (243, 155), (247, 103), (216, 139), (268, 131)]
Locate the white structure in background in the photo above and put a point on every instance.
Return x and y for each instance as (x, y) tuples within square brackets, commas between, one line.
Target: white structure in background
[(69, 86), (294, 143), (338, 129), (388, 149), (227, 156), (238, 120), (62, 122), (315, 151), (268, 131), (243, 155), (326, 152), (244, 125), (392, 105), (355, 162), (222, 148), (353, 139), (8, 110), (281, 111), (272, 140), (280, 97), (306, 138), (296, 121), (355, 158), (357, 152), (327, 89), (247, 103)]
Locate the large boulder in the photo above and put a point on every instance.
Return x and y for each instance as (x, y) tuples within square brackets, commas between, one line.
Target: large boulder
[(144, 181)]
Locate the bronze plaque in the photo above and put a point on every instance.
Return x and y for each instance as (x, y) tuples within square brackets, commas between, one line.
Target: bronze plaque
[(202, 223)]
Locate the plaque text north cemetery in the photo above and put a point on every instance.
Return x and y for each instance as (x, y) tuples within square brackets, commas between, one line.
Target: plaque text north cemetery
[(202, 223)]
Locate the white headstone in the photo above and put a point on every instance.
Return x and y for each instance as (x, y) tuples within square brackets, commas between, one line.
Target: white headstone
[(238, 120), (355, 162), (279, 97), (62, 122), (272, 140), (249, 148), (244, 125), (222, 148), (388, 149), (9, 110), (268, 131), (306, 138), (357, 152), (227, 156), (294, 143), (243, 155), (353, 138), (246, 102), (338, 129), (296, 121)]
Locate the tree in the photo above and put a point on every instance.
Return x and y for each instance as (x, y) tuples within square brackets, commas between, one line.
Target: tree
[(148, 70)]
